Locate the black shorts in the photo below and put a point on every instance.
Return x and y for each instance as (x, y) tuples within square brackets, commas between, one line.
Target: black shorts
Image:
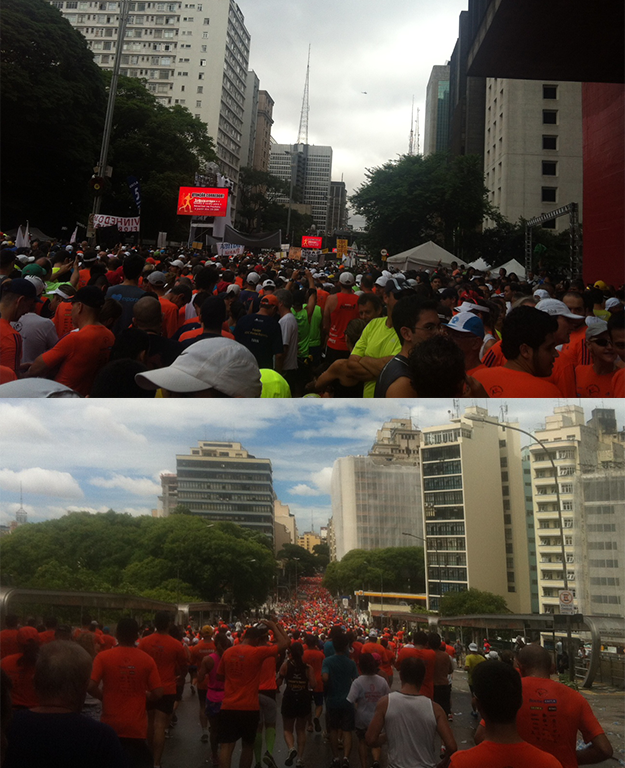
[(295, 706), (340, 719), (201, 696), (235, 724), (165, 704), (179, 692), (442, 696), (318, 698)]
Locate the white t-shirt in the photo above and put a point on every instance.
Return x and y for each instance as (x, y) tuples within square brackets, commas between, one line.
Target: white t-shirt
[(365, 693), (38, 333), (288, 325)]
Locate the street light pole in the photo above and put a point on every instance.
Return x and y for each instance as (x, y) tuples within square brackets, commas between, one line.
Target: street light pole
[(565, 580)]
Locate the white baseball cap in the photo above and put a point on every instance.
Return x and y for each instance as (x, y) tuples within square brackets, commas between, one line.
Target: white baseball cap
[(612, 303), (469, 306), (156, 278), (221, 364), (596, 329), (467, 322), (253, 277), (556, 308), (234, 288), (541, 294), (382, 281), (178, 263), (346, 278), (269, 284)]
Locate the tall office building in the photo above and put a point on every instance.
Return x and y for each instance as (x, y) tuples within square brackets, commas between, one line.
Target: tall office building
[(436, 135), (222, 482), (589, 461), (376, 498), (309, 169), (250, 116), (474, 510), (533, 147), (264, 121), (284, 525), (337, 211), (193, 54), (531, 527)]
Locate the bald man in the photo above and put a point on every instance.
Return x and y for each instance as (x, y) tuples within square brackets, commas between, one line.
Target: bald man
[(147, 315)]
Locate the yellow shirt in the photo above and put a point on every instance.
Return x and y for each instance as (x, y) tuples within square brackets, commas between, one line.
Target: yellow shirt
[(470, 663), (377, 340)]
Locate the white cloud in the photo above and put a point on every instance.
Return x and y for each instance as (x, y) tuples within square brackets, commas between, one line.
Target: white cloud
[(46, 482), (108, 423), (19, 422), (304, 490), (320, 484), (138, 486)]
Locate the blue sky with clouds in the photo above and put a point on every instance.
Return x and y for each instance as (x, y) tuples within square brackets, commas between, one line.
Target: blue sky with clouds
[(98, 455)]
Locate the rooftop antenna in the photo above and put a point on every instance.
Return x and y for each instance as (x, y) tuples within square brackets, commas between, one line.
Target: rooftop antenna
[(411, 140), (302, 137), (503, 413), (21, 516), (418, 145)]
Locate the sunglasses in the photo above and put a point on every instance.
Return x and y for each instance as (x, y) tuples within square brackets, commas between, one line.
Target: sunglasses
[(602, 342)]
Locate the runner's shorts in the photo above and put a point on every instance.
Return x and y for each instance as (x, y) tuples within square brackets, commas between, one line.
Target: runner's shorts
[(340, 718), (294, 706), (235, 724), (318, 698), (268, 707), (165, 704), (212, 708)]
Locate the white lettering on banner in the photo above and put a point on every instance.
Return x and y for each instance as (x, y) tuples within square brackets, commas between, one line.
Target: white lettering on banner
[(124, 224)]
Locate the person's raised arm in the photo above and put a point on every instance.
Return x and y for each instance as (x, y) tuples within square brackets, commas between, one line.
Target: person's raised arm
[(282, 641)]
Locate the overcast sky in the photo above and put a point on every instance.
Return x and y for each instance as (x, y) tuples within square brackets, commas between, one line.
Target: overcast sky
[(96, 455), (386, 49)]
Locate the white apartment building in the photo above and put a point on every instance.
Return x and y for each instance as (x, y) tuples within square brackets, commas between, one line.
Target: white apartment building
[(284, 525), (309, 168), (589, 461), (533, 147), (377, 498), (192, 54), (474, 510), (250, 116)]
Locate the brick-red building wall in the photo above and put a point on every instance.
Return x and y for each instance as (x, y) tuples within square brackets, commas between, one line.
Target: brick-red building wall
[(603, 111)]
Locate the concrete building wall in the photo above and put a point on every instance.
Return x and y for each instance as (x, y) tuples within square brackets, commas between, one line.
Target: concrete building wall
[(285, 526), (250, 116), (518, 158), (264, 121), (436, 133)]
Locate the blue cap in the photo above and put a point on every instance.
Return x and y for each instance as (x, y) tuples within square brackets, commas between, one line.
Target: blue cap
[(467, 322)]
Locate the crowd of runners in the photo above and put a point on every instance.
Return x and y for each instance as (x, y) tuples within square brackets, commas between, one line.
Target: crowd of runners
[(76, 321), (76, 697)]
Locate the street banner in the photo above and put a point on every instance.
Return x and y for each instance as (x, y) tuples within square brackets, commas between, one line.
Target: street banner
[(229, 249), (133, 183), (124, 223), (341, 247), (311, 242), (295, 254), (203, 201), (161, 241)]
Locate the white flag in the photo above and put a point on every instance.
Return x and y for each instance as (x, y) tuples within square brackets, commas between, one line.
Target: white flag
[(22, 240), (74, 236)]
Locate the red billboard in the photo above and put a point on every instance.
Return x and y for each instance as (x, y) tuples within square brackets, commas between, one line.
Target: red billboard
[(311, 242), (202, 201)]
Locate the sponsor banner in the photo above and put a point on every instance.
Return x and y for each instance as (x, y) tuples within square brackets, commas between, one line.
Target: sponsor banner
[(202, 201), (312, 242), (295, 254), (123, 223), (229, 249), (341, 247)]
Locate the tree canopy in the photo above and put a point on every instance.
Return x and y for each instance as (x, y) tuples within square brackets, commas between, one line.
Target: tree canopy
[(178, 558), (472, 602), (399, 569), (415, 199), (53, 103), (296, 559)]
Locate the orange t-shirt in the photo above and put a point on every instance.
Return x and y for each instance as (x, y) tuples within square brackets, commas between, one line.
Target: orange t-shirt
[(106, 642), (618, 383), (23, 690), (322, 297), (241, 667), (406, 652), (6, 375), (551, 715), (494, 356), (504, 382), (563, 375), (168, 653), (315, 659), (8, 642), (127, 674), (372, 648), (428, 656), (591, 384), (577, 349), (47, 636), (10, 346), (268, 675), (479, 367), (387, 660), (84, 275), (199, 331), (197, 653), (494, 755), (80, 355), (63, 319), (171, 318)]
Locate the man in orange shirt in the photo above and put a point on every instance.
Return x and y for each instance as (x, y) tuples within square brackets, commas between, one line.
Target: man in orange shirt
[(129, 677), (171, 301), (8, 636), (418, 649), (595, 380), (18, 298), (576, 348), (76, 359), (498, 696), (203, 648), (171, 661), (49, 634), (552, 713), (60, 307), (240, 668), (371, 646), (529, 345), (563, 373), (340, 308), (314, 656)]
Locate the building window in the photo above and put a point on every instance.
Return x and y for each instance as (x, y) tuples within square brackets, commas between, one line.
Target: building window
[(550, 116), (549, 168), (200, 76), (548, 194), (550, 142), (206, 22), (549, 224), (200, 89), (550, 91), (198, 103)]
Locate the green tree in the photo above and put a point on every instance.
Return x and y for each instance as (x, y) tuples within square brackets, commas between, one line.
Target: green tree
[(399, 569), (258, 192), (181, 509), (472, 602), (322, 553), (298, 560), (53, 103), (161, 146), (415, 199)]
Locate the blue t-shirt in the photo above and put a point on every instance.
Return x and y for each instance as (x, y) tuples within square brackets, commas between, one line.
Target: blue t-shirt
[(342, 672)]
